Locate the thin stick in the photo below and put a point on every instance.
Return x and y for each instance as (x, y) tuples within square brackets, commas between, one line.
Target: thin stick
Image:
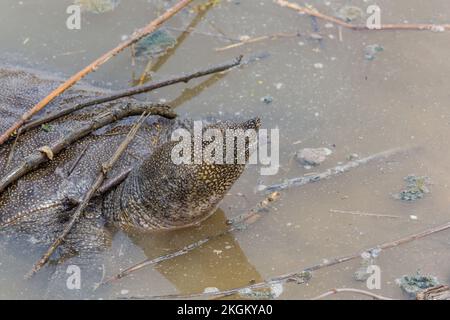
[(106, 167), (151, 262), (139, 34), (366, 214), (351, 290), (132, 91), (305, 272), (403, 26), (301, 181), (34, 160), (237, 224), (257, 39)]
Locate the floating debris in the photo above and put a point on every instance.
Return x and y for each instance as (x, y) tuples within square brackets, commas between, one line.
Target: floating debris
[(412, 285), (318, 65), (371, 51), (350, 13), (416, 188), (267, 99), (155, 44), (98, 6), (310, 157), (211, 290)]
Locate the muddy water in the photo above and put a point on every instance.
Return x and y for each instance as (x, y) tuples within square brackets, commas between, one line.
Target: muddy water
[(325, 94)]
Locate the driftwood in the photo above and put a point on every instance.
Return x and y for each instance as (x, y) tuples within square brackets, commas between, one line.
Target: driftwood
[(34, 160), (106, 167), (129, 92), (441, 292), (401, 26), (139, 34), (301, 181), (305, 273)]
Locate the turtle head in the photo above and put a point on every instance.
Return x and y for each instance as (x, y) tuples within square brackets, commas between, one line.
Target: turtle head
[(167, 191)]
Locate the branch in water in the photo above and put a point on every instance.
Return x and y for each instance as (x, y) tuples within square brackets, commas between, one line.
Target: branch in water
[(351, 290), (301, 181), (402, 26), (132, 91), (139, 34), (303, 274), (106, 167), (122, 111)]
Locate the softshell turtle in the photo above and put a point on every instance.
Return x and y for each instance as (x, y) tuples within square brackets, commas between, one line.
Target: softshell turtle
[(157, 194)]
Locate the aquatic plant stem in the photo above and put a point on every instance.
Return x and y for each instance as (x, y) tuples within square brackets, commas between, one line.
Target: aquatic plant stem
[(34, 160), (106, 167), (337, 21), (139, 34), (130, 92)]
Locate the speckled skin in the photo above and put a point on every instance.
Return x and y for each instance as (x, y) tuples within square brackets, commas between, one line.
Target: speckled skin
[(157, 195)]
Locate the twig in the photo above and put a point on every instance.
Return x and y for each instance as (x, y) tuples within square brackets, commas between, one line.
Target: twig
[(113, 182), (257, 39), (440, 292), (305, 272), (239, 223), (403, 26), (106, 167), (34, 160), (301, 181), (351, 290), (367, 214), (132, 91), (151, 262), (139, 34)]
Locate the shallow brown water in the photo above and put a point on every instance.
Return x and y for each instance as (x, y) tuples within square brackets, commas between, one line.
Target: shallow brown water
[(351, 105)]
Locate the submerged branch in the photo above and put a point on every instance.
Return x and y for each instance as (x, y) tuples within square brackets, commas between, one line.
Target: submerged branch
[(106, 167), (34, 160), (139, 34), (301, 181), (303, 274), (401, 26)]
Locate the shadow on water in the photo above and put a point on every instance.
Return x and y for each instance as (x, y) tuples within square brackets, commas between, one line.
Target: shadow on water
[(219, 263)]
